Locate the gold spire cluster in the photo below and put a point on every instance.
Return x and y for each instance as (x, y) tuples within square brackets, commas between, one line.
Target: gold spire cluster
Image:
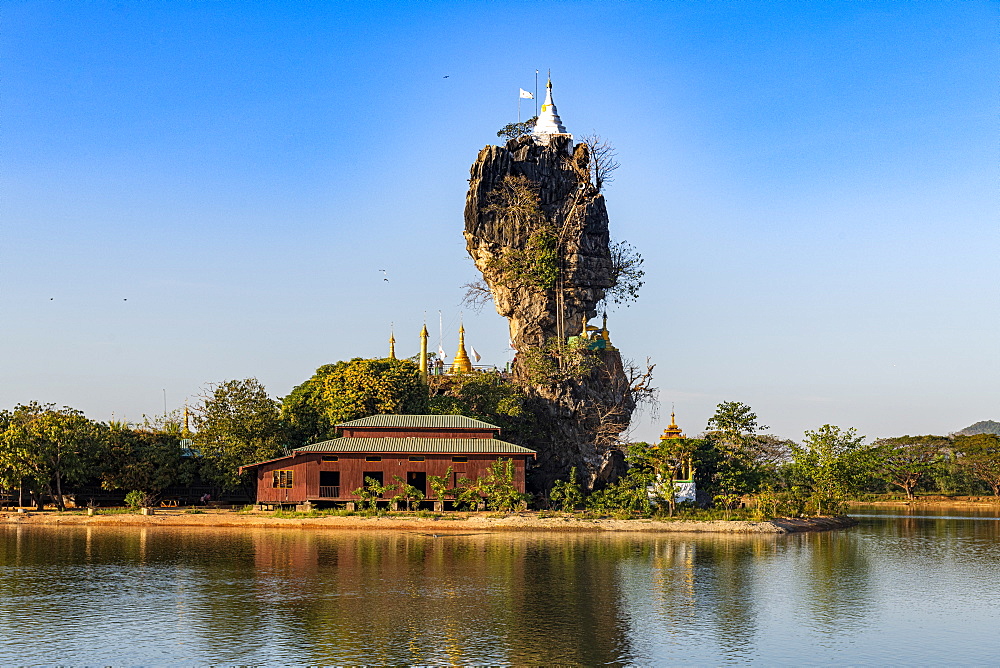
[(461, 364)]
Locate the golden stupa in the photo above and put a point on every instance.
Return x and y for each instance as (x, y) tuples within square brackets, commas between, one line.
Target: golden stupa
[(462, 363)]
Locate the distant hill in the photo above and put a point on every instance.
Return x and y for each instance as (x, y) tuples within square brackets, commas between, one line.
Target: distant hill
[(981, 427)]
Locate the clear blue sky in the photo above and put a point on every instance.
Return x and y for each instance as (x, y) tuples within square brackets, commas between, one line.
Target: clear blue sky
[(813, 186)]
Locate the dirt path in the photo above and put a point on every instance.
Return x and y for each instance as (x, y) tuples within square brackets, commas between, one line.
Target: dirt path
[(448, 522)]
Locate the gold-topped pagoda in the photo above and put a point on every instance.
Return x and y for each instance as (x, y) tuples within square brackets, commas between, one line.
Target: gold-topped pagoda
[(462, 363), (673, 431)]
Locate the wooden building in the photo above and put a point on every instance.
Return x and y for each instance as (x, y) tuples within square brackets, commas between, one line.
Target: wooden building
[(382, 447)]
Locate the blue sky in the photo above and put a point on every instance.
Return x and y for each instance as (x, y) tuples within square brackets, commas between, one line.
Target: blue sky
[(197, 191)]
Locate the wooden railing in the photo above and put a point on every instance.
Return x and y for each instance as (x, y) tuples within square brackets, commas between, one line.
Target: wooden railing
[(329, 491)]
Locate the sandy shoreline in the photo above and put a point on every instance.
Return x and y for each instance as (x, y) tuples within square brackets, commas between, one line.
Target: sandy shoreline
[(456, 522), (984, 502)]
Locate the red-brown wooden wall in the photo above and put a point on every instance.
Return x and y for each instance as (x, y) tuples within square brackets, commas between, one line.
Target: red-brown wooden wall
[(306, 468)]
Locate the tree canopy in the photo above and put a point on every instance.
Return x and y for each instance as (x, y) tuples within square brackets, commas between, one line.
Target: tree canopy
[(835, 462), (238, 424), (350, 390), (981, 454), (904, 460), (47, 447)]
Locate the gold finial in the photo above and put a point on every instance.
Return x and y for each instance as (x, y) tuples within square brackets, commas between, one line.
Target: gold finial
[(462, 363)]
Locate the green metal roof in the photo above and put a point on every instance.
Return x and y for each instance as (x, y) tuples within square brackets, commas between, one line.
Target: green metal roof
[(419, 422), (449, 446)]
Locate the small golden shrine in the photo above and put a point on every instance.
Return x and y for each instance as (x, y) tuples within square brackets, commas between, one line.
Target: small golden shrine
[(673, 431)]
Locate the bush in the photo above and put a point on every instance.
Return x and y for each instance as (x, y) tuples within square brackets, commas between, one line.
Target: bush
[(136, 499), (566, 494), (625, 497)]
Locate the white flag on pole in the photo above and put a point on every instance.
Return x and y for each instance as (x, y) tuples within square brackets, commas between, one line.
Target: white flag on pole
[(526, 95), (475, 354), (441, 354)]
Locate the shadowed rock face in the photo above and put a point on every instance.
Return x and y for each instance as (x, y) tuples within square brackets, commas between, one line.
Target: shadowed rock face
[(574, 418)]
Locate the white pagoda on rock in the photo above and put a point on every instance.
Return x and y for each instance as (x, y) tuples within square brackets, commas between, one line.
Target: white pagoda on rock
[(549, 124)]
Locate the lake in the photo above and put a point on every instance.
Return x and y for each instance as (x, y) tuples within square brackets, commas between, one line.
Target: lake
[(904, 587)]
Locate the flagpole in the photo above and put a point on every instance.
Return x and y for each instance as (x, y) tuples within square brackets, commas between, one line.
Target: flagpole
[(536, 93), (519, 106)]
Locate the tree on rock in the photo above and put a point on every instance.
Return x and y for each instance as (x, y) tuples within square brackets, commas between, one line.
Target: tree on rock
[(346, 391), (238, 424)]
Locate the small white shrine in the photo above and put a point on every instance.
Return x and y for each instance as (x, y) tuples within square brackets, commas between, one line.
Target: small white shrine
[(549, 124)]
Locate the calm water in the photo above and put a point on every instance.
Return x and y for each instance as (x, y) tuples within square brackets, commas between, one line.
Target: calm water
[(899, 589)]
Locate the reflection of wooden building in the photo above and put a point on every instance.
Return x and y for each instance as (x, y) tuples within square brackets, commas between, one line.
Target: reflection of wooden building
[(382, 447)]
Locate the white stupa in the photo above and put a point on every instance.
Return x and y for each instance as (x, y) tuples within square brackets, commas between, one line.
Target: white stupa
[(549, 124)]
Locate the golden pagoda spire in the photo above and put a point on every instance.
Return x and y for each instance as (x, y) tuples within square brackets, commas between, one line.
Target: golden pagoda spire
[(673, 431), (462, 363), (423, 352), (604, 334), (392, 343)]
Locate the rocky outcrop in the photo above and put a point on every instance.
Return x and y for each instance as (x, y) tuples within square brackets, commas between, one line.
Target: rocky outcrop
[(575, 418), (569, 201)]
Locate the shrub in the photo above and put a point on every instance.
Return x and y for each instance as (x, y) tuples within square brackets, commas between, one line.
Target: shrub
[(136, 499), (566, 494)]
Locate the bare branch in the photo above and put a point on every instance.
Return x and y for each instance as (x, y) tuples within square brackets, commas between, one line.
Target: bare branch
[(603, 160), (477, 295)]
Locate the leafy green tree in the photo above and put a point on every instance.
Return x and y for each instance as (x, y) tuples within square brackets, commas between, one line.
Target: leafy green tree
[(736, 467), (143, 460), (439, 485), (483, 396), (468, 494), (48, 448), (498, 488), (515, 130), (626, 275), (981, 454), (567, 494), (369, 493), (904, 460), (835, 462), (407, 493), (237, 424), (346, 391)]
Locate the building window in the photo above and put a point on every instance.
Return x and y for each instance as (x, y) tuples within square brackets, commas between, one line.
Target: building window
[(416, 458), (330, 458), (460, 459), (373, 459), (281, 479)]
